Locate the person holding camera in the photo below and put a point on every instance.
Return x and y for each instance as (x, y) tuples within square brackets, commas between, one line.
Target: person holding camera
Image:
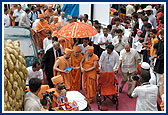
[(31, 99), (146, 93), (146, 66), (59, 89)]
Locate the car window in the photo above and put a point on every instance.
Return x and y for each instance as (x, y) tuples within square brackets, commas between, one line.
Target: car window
[(17, 32), (22, 35)]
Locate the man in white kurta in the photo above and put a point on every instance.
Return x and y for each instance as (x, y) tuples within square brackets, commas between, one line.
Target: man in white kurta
[(119, 41), (109, 59)]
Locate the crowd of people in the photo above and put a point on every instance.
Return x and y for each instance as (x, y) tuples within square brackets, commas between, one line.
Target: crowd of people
[(132, 43)]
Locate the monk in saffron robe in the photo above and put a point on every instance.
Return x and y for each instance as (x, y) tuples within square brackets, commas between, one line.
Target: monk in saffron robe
[(89, 67), (60, 64), (75, 60), (59, 89), (41, 28), (55, 25), (49, 12)]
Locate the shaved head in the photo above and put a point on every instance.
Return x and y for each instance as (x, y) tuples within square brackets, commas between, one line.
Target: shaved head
[(127, 47)]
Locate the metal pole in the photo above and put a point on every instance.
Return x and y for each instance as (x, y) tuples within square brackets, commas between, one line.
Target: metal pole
[(119, 9), (92, 11)]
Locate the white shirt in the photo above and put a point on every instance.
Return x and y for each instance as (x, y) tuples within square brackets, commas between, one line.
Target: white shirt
[(46, 42), (118, 46), (146, 97), (108, 62), (84, 49), (127, 32), (117, 27), (88, 22), (6, 20), (24, 20), (140, 23), (152, 19), (95, 38), (128, 60), (62, 20), (51, 45), (34, 74), (16, 13), (103, 39), (152, 81), (32, 102)]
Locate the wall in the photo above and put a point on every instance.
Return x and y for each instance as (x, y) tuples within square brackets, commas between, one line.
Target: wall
[(101, 12)]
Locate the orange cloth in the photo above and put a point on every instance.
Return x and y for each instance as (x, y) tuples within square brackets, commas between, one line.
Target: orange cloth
[(35, 38), (162, 106), (55, 96), (66, 76), (41, 4), (12, 20), (55, 26), (39, 26), (48, 13), (66, 43), (41, 16), (55, 33), (44, 88), (90, 78), (55, 18), (57, 79), (66, 23), (90, 49), (27, 88), (68, 51), (76, 48), (76, 73), (106, 80)]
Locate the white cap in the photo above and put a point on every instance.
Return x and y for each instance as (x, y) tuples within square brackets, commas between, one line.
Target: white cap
[(149, 7), (145, 65)]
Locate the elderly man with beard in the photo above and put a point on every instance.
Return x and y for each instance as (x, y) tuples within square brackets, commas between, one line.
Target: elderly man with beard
[(75, 60), (59, 89), (89, 67)]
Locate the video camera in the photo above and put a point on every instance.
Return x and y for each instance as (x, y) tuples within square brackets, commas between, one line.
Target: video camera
[(135, 77), (45, 98)]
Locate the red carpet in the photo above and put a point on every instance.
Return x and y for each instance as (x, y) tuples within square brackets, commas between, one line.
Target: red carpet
[(125, 103)]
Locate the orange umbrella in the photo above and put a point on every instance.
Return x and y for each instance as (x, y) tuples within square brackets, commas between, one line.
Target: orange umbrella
[(77, 30)]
